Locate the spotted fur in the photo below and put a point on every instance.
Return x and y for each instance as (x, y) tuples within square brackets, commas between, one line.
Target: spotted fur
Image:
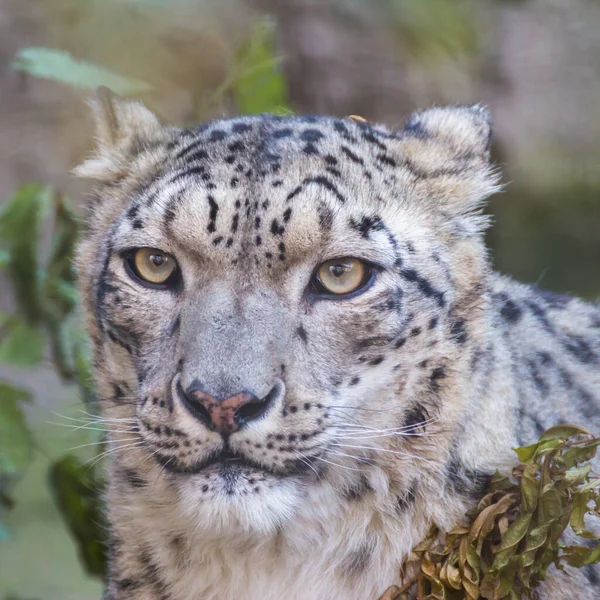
[(392, 408)]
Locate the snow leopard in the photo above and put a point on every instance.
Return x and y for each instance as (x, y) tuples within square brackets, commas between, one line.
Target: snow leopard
[(302, 352)]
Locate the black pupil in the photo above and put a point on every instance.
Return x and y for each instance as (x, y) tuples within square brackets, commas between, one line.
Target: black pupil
[(338, 270), (158, 260)]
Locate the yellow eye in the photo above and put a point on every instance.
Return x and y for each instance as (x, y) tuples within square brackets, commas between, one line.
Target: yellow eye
[(342, 275), (153, 266)]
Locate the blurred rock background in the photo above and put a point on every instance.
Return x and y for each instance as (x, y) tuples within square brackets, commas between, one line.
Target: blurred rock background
[(534, 63)]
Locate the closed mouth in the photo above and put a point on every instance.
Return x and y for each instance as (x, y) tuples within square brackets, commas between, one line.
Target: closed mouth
[(225, 459)]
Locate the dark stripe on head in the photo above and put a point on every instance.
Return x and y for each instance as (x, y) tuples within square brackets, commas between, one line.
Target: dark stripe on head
[(327, 184)]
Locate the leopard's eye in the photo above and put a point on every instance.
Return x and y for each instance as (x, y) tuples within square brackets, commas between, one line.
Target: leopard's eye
[(342, 276), (152, 266)]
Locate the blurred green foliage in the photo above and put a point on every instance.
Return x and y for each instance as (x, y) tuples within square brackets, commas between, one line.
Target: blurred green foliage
[(59, 65), (43, 284)]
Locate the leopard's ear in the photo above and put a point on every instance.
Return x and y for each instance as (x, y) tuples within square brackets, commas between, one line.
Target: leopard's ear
[(449, 151), (124, 128)]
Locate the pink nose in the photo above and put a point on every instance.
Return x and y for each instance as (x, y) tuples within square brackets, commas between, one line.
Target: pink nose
[(229, 415)]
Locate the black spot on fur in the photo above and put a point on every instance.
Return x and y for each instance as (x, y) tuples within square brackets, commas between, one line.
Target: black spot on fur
[(424, 286), (539, 381), (216, 135), (175, 325), (510, 312), (118, 393), (367, 224), (458, 331), (359, 489), (133, 478), (407, 498), (415, 418), (386, 160), (127, 585), (302, 333), (282, 133), (241, 128), (357, 561), (341, 129), (133, 211), (276, 228), (415, 129), (580, 349), (353, 157), (212, 215), (436, 375), (191, 172), (186, 152), (293, 193), (311, 135), (325, 217), (369, 137), (376, 361), (465, 481)]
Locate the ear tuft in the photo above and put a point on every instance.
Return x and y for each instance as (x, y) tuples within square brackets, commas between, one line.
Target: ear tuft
[(467, 129), (448, 151), (107, 126), (124, 128)]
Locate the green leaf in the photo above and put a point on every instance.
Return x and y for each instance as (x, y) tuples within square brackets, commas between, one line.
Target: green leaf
[(21, 221), (58, 65), (529, 488), (563, 432), (525, 453), (260, 85), (579, 556), (15, 438), (21, 344), (577, 476), (78, 498), (580, 502)]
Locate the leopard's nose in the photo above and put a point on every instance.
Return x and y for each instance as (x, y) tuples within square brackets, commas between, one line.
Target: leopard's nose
[(225, 415)]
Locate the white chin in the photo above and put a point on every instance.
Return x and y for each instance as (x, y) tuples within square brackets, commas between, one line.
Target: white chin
[(240, 509)]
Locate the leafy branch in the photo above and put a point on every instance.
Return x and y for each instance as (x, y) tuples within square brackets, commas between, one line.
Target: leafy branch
[(515, 534)]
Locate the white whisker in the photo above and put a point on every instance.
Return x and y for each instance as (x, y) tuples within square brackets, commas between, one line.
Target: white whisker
[(102, 455), (398, 452), (337, 464), (102, 443), (306, 462)]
